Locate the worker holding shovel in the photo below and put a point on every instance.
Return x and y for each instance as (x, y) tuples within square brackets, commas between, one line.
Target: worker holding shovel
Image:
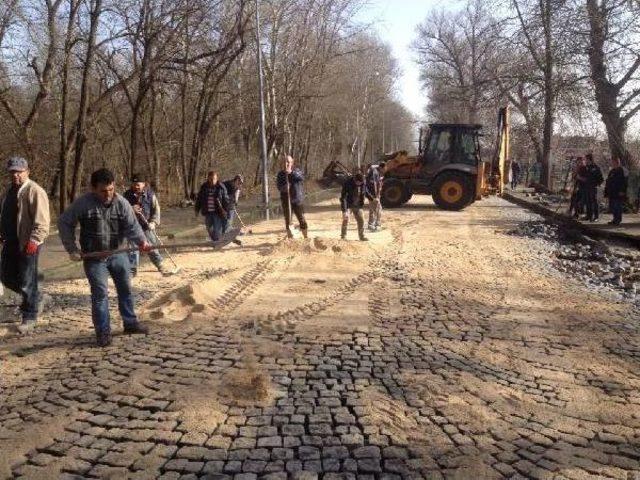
[(352, 198), (290, 182), (147, 209), (107, 221)]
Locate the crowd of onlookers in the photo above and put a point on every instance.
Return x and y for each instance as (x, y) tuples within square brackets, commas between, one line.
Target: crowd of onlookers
[(587, 178)]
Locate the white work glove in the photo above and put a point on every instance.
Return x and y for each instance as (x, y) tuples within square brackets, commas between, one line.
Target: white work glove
[(75, 257), (152, 226)]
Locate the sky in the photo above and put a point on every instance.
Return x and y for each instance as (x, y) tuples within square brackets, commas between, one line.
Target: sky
[(396, 22)]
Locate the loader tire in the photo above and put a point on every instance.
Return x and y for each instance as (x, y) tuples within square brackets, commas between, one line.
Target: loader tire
[(453, 191), (394, 193)]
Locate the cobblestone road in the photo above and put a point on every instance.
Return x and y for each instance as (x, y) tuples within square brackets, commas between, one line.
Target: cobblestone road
[(444, 349)]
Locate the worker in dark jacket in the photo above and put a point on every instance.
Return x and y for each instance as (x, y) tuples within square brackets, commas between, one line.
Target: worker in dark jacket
[(147, 209), (616, 190), (233, 187), (290, 183), (593, 180), (213, 203), (352, 198), (107, 222)]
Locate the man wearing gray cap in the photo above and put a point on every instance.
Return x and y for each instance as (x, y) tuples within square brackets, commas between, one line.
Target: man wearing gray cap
[(24, 225)]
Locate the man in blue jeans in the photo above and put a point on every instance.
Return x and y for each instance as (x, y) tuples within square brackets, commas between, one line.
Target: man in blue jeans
[(144, 202), (107, 222)]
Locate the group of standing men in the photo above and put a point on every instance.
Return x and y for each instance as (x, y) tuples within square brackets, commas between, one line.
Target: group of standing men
[(587, 178)]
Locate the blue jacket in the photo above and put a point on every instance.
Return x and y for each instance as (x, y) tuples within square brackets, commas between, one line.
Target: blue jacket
[(102, 227), (296, 182)]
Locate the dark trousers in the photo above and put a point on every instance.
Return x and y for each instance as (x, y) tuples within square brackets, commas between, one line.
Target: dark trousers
[(19, 272), (591, 202), (616, 206), (298, 209)]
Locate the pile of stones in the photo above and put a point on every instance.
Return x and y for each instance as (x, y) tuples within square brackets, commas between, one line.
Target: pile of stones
[(594, 262)]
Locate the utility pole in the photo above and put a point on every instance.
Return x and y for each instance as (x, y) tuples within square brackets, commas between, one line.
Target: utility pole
[(263, 136)]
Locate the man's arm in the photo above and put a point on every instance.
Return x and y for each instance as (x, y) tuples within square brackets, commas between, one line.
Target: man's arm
[(343, 197), (67, 228), (133, 230), (297, 175), (155, 210), (41, 218)]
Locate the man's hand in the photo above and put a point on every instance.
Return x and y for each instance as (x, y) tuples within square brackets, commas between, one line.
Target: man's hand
[(137, 208), (31, 248), (145, 247), (345, 216), (75, 257), (152, 226)]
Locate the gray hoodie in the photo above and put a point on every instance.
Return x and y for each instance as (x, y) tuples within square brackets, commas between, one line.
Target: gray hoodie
[(102, 227)]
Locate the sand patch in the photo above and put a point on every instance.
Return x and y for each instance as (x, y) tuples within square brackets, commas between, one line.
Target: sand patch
[(193, 301), (135, 384), (392, 416), (200, 410)]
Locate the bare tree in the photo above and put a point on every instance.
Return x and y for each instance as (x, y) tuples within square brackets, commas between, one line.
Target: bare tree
[(614, 60)]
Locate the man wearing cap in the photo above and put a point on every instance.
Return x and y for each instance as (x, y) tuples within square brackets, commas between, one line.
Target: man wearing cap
[(24, 225), (107, 222), (233, 187), (147, 209)]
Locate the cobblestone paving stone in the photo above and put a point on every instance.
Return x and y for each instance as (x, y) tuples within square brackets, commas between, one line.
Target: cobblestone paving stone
[(478, 360)]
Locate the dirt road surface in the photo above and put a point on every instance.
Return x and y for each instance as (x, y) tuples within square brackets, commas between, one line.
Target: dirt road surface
[(442, 348)]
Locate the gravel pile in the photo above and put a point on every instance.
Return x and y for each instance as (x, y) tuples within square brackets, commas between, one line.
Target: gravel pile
[(593, 262)]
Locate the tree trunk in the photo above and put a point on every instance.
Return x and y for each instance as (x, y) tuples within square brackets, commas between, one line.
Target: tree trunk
[(63, 155), (81, 138), (606, 92)]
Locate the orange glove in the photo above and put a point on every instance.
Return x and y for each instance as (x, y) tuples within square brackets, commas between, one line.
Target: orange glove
[(31, 248), (145, 247)]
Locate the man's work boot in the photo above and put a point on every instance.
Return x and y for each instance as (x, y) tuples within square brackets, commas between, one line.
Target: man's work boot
[(363, 238), (136, 328), (103, 339), (27, 326)]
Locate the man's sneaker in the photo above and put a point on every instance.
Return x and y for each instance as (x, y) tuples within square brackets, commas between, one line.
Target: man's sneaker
[(136, 328), (371, 228), (26, 326), (103, 339)]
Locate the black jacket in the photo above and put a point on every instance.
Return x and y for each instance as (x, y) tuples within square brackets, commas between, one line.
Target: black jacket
[(594, 175), (352, 195), (616, 186), (221, 199), (296, 181)]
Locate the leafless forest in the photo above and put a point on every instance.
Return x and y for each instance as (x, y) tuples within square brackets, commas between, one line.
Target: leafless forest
[(169, 88)]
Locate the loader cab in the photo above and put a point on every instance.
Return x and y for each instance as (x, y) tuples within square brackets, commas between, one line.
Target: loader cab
[(447, 145)]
